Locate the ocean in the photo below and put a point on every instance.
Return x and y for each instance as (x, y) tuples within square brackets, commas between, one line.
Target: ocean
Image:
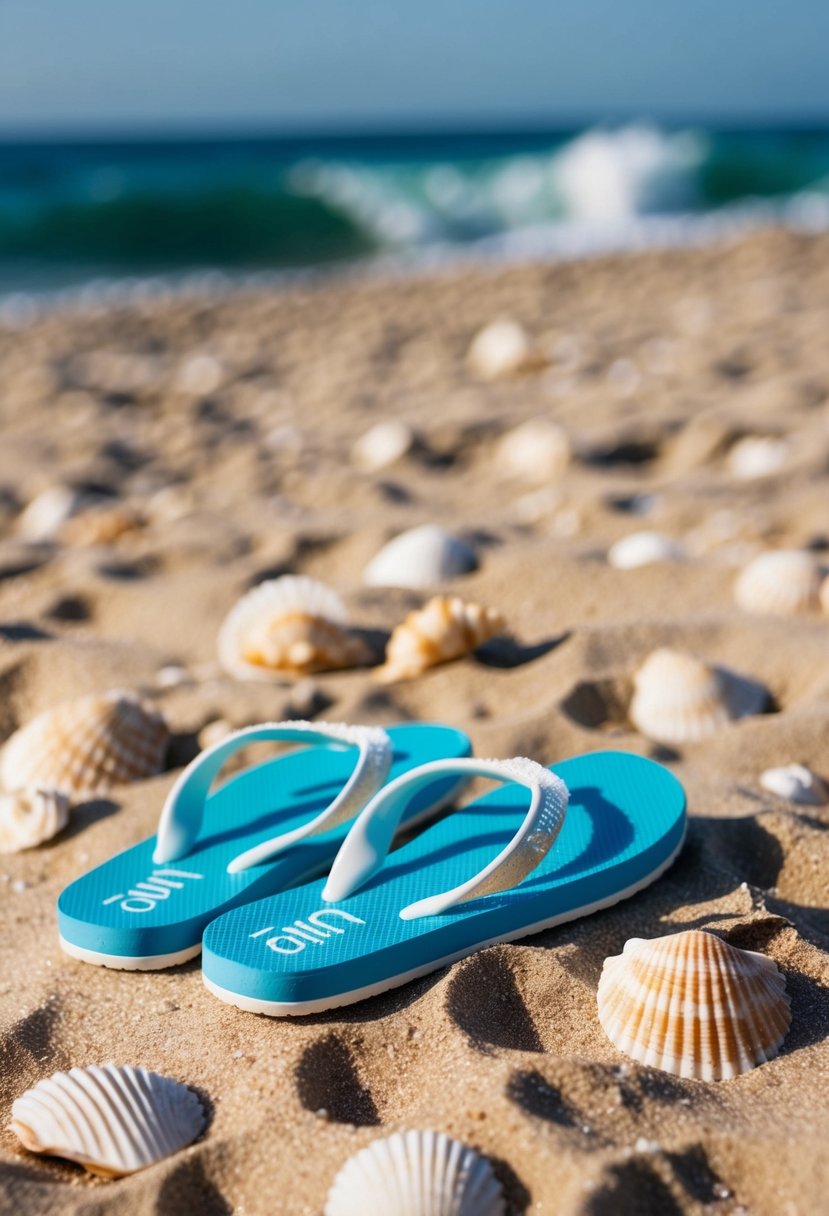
[(75, 214)]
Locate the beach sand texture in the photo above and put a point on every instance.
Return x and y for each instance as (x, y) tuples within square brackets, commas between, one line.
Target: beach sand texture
[(212, 438)]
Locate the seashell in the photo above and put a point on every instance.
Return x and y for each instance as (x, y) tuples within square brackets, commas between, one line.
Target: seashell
[(796, 783), (47, 513), (693, 1005), (101, 526), (500, 349), (779, 583), (644, 549), (31, 817), (444, 629), (757, 456), (288, 626), (536, 452), (111, 1120), (87, 746), (678, 698), (421, 557), (416, 1173), (382, 445)]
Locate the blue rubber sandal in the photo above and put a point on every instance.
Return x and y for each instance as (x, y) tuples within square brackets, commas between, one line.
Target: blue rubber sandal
[(368, 927), (148, 907)]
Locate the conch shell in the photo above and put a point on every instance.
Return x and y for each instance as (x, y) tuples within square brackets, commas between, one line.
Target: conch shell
[(292, 626), (445, 628), (87, 746), (693, 1005)]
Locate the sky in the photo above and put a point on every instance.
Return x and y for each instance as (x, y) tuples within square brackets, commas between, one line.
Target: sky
[(75, 65)]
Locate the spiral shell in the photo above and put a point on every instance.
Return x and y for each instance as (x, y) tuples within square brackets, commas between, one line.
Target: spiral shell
[(416, 1174), (87, 746), (445, 628), (780, 583), (421, 557), (693, 1005), (678, 698), (111, 1120), (292, 626), (31, 817)]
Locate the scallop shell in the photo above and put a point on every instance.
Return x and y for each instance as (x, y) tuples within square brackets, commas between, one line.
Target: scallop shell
[(288, 626), (31, 817), (644, 549), (538, 451), (780, 583), (87, 746), (757, 456), (422, 557), (500, 349), (382, 445), (693, 1005), (445, 628), (796, 783), (111, 1120), (416, 1174), (678, 698)]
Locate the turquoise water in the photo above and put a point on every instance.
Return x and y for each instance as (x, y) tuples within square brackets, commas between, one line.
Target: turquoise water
[(71, 212)]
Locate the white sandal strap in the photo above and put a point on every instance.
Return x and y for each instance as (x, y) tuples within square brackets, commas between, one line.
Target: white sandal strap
[(181, 815), (366, 846)]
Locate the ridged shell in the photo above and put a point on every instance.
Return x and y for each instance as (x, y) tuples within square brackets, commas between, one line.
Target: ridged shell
[(443, 629), (678, 698), (87, 746), (416, 1174), (536, 452), (757, 456), (112, 1120), (780, 583), (500, 349), (644, 549), (288, 626), (693, 1005), (422, 557), (31, 817), (796, 783)]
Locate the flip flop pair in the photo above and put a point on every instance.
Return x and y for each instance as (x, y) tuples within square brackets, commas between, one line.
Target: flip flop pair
[(549, 846)]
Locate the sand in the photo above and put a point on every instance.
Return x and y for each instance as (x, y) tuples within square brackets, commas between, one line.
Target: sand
[(224, 426)]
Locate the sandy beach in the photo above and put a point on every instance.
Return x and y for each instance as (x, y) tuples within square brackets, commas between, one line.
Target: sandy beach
[(208, 443)]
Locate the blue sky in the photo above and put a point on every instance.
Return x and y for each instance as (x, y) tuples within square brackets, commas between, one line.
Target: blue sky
[(353, 63)]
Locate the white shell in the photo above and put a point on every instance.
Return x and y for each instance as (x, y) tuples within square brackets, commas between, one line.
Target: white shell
[(780, 583), (500, 349), (693, 1005), (287, 627), (422, 557), (382, 445), (644, 549), (31, 817), (796, 783), (112, 1120), (416, 1174), (678, 698), (757, 456), (87, 746), (46, 514), (535, 452)]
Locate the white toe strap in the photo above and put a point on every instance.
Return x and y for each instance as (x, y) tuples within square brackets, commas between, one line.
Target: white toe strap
[(364, 849), (181, 815)]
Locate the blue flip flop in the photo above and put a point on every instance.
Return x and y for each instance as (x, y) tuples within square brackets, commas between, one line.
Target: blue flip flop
[(376, 923), (263, 830)]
